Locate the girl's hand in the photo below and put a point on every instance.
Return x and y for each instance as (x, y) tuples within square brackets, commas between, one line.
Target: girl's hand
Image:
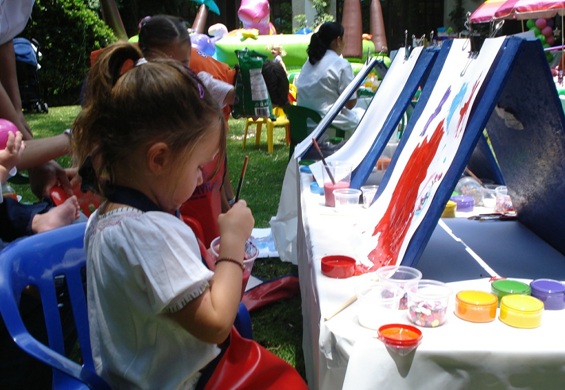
[(10, 156), (235, 227)]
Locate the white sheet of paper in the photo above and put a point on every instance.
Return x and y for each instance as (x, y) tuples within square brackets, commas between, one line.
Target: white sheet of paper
[(445, 115)]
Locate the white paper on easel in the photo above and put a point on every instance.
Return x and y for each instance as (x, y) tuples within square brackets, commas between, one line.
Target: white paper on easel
[(361, 141), (427, 155), (303, 146)]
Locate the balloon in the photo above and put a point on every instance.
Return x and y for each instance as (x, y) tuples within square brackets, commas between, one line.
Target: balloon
[(550, 23), (535, 30), (6, 127), (541, 23), (550, 40), (547, 31), (530, 23), (541, 38)]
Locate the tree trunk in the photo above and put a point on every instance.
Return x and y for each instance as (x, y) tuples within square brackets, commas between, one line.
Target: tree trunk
[(378, 27), (353, 26)]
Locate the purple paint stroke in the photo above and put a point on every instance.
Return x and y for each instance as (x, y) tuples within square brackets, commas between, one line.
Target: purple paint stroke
[(437, 110)]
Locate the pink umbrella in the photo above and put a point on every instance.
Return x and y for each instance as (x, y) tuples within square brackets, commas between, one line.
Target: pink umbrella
[(530, 9), (485, 12)]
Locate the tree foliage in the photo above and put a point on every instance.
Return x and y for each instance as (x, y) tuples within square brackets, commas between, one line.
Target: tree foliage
[(67, 31)]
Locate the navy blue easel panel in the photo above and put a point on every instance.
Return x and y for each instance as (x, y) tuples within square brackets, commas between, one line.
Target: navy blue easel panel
[(532, 159), (500, 87), (417, 77)]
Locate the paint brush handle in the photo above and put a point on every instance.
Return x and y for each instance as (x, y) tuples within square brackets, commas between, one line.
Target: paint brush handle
[(323, 160), (342, 307), (240, 184)]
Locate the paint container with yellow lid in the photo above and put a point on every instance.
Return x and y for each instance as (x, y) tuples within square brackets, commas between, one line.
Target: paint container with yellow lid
[(521, 311)]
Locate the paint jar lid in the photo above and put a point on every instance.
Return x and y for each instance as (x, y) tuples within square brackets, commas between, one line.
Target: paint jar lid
[(507, 286), (338, 266), (400, 335)]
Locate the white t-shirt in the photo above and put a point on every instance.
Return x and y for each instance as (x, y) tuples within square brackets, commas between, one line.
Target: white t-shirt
[(14, 15), (139, 267), (320, 85)]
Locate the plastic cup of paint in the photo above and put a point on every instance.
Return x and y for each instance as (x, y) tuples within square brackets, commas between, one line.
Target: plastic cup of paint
[(336, 175), (377, 303), (346, 199), (369, 193), (427, 305), (250, 255), (402, 276)]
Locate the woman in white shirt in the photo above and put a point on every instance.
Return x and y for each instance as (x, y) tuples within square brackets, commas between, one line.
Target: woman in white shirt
[(325, 75)]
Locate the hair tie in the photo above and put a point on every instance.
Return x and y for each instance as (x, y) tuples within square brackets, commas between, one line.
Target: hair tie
[(200, 90), (143, 21), (141, 61)]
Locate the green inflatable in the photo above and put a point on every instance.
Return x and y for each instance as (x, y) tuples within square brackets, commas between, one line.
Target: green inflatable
[(295, 46)]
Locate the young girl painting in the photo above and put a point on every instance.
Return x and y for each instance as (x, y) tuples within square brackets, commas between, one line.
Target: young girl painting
[(156, 312)]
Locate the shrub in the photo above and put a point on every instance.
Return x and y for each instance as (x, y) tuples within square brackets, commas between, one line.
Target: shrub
[(67, 31)]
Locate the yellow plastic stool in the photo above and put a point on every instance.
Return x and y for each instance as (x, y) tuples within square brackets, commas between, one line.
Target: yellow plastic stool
[(280, 121)]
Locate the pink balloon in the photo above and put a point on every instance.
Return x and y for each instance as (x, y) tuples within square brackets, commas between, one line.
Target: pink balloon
[(550, 40), (547, 31), (541, 23), (6, 127)]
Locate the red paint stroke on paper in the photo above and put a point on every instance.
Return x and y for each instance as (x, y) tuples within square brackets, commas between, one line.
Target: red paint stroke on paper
[(396, 221)]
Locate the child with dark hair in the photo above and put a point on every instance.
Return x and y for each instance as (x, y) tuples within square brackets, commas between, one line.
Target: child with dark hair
[(166, 36), (325, 75), (277, 83)]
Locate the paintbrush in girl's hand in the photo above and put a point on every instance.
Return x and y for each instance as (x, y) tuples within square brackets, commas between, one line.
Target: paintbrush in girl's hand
[(239, 185)]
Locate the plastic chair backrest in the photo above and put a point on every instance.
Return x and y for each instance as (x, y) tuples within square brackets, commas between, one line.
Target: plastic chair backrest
[(53, 264), (299, 117)]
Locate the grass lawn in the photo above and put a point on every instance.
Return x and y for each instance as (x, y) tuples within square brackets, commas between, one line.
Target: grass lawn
[(278, 326)]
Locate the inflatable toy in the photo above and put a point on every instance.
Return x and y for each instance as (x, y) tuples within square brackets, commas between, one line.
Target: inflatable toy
[(207, 43), (256, 14), (295, 46)]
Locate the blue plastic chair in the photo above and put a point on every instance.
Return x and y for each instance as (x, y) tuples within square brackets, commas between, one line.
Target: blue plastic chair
[(49, 262)]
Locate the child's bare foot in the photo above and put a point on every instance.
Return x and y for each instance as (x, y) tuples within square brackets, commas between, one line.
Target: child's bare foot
[(62, 215)]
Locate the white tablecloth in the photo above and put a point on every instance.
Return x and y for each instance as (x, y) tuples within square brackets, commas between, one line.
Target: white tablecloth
[(340, 353)]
